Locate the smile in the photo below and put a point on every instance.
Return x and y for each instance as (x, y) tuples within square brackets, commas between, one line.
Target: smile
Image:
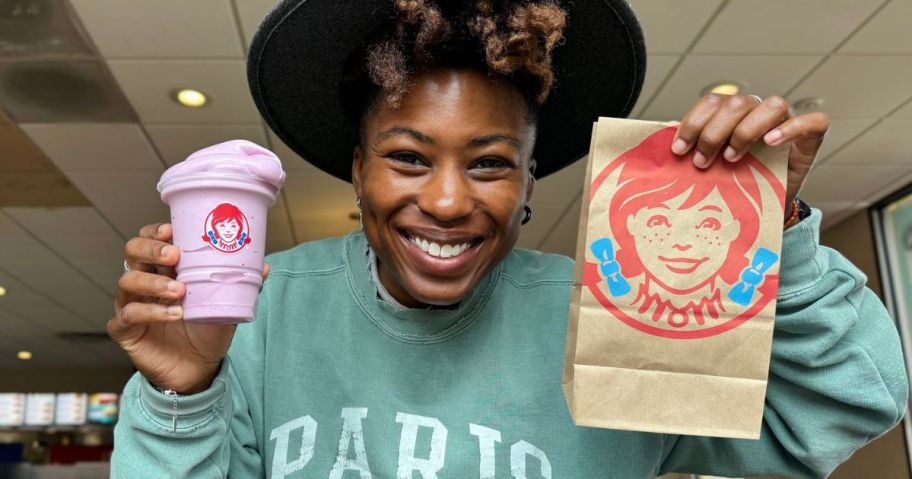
[(439, 248), (682, 265)]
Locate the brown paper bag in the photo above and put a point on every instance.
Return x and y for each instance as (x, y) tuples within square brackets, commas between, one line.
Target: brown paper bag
[(675, 286)]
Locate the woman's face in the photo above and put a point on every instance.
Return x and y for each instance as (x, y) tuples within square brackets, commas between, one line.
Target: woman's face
[(684, 248), (443, 180), (227, 229)]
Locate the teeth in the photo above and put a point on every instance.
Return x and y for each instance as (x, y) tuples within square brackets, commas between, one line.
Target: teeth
[(440, 251)]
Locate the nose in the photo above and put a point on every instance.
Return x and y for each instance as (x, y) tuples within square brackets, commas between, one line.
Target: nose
[(682, 247), (447, 195)]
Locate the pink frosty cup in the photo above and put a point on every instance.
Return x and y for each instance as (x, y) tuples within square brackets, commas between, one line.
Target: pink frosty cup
[(218, 198)]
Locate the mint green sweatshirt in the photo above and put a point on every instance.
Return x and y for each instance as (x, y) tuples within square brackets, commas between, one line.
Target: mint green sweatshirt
[(330, 382)]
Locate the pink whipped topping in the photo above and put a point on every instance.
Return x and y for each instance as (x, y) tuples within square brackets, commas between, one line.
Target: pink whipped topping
[(239, 158)]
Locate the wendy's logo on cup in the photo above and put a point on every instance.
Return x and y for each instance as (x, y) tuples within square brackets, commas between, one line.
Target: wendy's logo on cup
[(226, 228)]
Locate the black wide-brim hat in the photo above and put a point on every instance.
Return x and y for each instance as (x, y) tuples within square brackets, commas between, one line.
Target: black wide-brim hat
[(299, 53)]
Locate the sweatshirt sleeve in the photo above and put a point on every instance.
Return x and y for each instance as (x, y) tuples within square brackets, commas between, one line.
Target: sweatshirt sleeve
[(836, 380), (214, 435)]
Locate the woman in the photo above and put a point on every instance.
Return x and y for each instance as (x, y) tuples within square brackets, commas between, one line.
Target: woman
[(683, 235), (376, 355)]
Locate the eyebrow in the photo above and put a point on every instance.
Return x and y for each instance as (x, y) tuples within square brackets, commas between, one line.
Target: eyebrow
[(496, 138), (402, 131), (710, 208)]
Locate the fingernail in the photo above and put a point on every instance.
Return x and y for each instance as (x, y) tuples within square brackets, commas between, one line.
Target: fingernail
[(773, 136), (729, 153), (679, 147), (167, 250), (159, 229), (173, 286), (699, 160), (174, 310)]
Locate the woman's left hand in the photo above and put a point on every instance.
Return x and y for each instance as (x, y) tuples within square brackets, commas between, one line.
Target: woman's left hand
[(724, 127)]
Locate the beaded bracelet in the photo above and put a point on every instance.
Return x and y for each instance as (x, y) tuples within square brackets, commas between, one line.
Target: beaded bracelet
[(794, 213)]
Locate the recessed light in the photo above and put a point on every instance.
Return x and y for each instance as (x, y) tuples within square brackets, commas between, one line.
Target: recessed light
[(728, 87), (191, 98), (24, 355), (2, 291)]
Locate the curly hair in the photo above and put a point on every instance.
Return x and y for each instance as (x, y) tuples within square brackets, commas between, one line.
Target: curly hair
[(512, 39)]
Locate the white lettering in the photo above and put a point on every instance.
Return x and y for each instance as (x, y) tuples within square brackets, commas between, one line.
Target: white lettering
[(351, 432), (282, 434), (407, 460), (518, 453), (486, 439)]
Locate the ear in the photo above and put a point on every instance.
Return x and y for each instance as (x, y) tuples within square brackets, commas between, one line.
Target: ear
[(357, 161), (531, 185)]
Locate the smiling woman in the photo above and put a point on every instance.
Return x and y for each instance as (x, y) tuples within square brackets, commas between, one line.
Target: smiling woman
[(425, 344), (450, 168)]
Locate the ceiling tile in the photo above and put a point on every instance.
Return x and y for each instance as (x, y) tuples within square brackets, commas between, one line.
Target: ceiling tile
[(95, 147), (278, 227), (842, 130), (551, 198), (150, 85), (859, 86), (829, 183), (81, 235), (38, 29), (562, 238), (168, 28), (252, 13), (290, 159), (887, 32), (176, 142), (810, 26), (312, 189), (671, 25), (311, 224), (905, 111), (888, 143), (119, 189), (657, 68), (128, 220), (18, 153), (764, 76), (62, 91)]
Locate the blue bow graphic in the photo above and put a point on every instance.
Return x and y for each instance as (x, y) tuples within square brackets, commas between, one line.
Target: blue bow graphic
[(243, 237), (212, 237), (742, 292), (603, 249)]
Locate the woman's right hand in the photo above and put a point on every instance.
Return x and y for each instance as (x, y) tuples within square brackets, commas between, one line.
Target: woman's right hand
[(148, 319)]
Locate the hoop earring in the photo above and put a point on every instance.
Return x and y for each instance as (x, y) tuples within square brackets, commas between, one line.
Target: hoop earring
[(360, 213), (528, 216)]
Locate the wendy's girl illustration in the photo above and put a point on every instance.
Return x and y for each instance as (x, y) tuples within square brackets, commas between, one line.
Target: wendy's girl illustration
[(683, 257), (226, 228)]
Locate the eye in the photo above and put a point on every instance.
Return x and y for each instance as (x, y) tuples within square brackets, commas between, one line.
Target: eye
[(492, 163), (710, 223), (658, 220), (407, 157)]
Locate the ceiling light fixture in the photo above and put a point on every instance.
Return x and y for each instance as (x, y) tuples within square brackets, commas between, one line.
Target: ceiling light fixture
[(191, 98), (728, 87), (2, 291), (24, 355)]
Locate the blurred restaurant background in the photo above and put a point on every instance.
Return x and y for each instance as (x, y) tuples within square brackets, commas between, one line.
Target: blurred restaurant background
[(99, 97)]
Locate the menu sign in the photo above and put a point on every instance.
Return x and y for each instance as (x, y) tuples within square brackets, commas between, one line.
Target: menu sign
[(12, 409), (39, 409), (71, 409), (103, 408)]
